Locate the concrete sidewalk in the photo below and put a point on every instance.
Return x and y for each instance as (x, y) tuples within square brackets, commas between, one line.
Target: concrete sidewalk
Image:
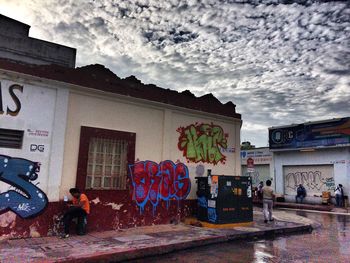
[(114, 246)]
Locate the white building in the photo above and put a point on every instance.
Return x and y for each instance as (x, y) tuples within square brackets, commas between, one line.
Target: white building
[(262, 165), (315, 154), (135, 149)]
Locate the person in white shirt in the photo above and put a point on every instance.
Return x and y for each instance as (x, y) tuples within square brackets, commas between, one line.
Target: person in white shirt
[(268, 197)]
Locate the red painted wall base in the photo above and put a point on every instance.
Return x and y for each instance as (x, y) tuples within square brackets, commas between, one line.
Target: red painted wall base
[(105, 215)]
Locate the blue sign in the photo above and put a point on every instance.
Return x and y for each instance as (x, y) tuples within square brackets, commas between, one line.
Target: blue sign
[(308, 135)]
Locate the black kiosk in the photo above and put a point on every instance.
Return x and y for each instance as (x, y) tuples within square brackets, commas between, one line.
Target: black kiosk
[(224, 199)]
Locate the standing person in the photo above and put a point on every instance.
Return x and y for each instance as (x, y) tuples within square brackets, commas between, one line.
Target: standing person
[(268, 197), (339, 195), (79, 209), (260, 193), (301, 193)]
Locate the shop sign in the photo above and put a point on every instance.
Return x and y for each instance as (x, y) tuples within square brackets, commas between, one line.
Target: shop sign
[(5, 108)]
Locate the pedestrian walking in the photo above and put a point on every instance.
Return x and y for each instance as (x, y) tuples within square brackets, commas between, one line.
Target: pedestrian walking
[(268, 197), (339, 195)]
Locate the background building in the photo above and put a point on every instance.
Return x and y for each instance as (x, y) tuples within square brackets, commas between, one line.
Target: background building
[(16, 44), (315, 154), (258, 163)]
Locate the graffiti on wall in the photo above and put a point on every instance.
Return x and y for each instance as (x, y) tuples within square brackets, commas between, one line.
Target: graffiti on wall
[(26, 200), (203, 143), (258, 176), (154, 182), (255, 177), (313, 181)]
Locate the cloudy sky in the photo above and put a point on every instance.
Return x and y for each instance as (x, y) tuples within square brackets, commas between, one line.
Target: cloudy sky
[(279, 61)]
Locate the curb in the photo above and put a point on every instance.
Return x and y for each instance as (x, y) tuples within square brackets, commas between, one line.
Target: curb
[(165, 249), (316, 211)]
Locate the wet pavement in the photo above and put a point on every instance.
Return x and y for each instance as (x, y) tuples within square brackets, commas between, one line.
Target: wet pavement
[(329, 243), (114, 246)]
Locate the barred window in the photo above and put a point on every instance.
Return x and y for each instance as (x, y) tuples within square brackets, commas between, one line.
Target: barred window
[(103, 160), (107, 161)]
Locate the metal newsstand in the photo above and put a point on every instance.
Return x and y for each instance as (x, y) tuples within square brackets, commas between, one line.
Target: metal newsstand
[(225, 199)]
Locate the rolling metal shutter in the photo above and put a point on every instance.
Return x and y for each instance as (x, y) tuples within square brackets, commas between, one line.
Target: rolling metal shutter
[(315, 179), (261, 173)]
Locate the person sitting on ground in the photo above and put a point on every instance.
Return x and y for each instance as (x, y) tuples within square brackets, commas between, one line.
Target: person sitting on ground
[(79, 208), (260, 193), (268, 197), (301, 193), (339, 195)]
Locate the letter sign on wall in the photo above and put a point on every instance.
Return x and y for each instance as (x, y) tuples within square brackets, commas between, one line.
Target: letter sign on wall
[(11, 90), (37, 148)]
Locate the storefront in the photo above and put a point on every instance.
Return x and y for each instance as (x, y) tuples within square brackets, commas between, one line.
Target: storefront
[(258, 163), (314, 154)]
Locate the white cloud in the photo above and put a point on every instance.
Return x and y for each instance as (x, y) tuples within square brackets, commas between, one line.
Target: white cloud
[(279, 63)]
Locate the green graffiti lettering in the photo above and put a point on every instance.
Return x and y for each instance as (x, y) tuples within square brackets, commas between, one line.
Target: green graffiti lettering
[(202, 143)]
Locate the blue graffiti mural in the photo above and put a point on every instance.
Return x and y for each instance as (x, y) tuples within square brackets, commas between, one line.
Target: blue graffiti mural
[(154, 182), (212, 214), (27, 200)]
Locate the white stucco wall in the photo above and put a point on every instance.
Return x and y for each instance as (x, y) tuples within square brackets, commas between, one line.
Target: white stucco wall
[(231, 166), (43, 110), (106, 113), (155, 127), (338, 157)]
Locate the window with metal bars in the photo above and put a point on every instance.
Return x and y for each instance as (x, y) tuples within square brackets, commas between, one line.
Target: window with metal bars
[(103, 160), (11, 138), (107, 163)]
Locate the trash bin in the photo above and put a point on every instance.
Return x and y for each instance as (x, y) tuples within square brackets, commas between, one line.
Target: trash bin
[(225, 199)]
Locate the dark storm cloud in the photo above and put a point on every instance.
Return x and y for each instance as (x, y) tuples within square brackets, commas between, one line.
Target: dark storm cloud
[(280, 61)]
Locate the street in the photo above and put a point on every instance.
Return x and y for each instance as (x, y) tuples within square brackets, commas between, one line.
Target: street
[(330, 243)]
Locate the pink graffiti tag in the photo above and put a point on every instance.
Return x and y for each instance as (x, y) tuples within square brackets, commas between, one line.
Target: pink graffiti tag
[(164, 181), (203, 143)]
